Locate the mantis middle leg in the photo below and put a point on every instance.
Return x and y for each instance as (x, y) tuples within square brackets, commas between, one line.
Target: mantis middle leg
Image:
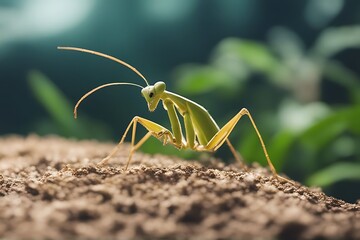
[(154, 129)]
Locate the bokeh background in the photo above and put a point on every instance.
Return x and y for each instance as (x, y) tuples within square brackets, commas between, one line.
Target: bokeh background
[(293, 64)]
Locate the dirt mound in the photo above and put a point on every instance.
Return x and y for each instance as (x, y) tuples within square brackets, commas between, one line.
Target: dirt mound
[(51, 188)]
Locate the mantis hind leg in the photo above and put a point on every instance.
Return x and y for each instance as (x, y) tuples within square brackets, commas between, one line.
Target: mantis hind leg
[(154, 129), (222, 135), (236, 155)]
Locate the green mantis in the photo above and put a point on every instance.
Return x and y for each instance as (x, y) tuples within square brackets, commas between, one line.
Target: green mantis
[(201, 131)]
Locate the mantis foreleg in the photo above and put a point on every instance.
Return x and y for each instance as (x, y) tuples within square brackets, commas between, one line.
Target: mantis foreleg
[(174, 121)]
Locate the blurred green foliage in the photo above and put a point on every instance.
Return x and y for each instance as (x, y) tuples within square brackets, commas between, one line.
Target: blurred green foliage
[(312, 139)]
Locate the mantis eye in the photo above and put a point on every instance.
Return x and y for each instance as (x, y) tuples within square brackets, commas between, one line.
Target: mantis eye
[(151, 94)]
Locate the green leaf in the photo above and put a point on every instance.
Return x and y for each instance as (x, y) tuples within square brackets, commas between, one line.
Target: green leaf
[(195, 79), (353, 115), (250, 148), (251, 56), (280, 146), (256, 55), (298, 117), (335, 173), (329, 128), (334, 40)]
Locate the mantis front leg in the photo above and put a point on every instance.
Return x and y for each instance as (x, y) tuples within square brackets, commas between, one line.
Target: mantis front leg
[(154, 129), (176, 127), (174, 121)]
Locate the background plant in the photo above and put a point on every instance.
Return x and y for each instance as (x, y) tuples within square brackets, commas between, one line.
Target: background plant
[(312, 138)]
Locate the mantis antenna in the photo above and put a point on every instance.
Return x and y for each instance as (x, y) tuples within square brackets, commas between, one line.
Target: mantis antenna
[(105, 56), (99, 87), (108, 84)]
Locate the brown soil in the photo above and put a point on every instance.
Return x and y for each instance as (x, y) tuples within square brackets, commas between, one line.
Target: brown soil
[(51, 188)]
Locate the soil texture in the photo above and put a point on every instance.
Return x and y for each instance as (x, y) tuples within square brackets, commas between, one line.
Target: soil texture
[(51, 188)]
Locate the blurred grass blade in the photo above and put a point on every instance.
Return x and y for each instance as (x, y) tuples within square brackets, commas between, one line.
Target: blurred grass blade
[(335, 173), (53, 100)]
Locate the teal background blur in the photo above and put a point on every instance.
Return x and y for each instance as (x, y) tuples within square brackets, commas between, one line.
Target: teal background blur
[(293, 64)]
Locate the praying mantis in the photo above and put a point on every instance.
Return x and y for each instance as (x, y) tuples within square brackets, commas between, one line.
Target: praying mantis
[(202, 133)]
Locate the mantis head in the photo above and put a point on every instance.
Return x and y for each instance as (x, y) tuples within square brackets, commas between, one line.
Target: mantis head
[(153, 94)]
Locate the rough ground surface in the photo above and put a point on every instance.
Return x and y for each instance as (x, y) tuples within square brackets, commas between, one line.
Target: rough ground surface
[(50, 188)]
